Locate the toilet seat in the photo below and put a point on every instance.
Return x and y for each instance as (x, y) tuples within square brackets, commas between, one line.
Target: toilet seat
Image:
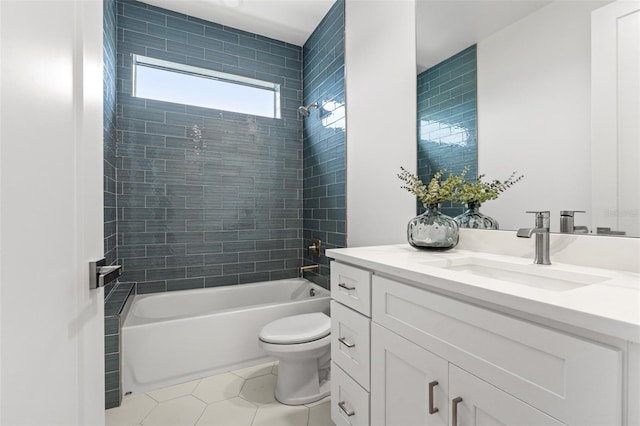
[(297, 329)]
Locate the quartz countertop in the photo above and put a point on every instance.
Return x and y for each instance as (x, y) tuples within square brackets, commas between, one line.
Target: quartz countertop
[(610, 307)]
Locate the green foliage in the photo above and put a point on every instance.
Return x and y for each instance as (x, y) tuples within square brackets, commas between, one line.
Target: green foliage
[(480, 191), (437, 191), (455, 188)]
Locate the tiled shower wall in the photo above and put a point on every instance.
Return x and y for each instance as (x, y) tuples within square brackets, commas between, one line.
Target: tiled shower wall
[(324, 140), (112, 327), (109, 130), (226, 209), (447, 132)]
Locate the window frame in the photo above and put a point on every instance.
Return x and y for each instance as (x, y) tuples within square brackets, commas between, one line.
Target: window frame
[(205, 73)]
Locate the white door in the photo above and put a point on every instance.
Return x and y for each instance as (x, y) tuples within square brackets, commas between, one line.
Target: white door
[(403, 382), (615, 108), (475, 402), (51, 325)]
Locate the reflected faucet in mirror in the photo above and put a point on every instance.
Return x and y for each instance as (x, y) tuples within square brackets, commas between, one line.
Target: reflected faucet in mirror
[(541, 230), (496, 109), (567, 225)]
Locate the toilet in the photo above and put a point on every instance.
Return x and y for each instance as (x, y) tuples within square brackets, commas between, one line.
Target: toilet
[(302, 345)]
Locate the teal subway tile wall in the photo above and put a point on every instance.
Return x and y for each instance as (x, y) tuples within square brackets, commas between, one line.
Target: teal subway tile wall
[(115, 306), (113, 393), (185, 212), (222, 209), (109, 131), (324, 140), (447, 124)]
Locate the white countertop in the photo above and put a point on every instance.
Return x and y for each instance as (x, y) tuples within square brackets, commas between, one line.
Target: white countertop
[(610, 307)]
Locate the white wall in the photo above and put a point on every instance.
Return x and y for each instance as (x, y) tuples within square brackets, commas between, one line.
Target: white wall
[(51, 325), (534, 113), (615, 110), (380, 64)]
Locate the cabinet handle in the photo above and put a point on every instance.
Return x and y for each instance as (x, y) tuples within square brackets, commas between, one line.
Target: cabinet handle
[(454, 409), (346, 287), (432, 409), (347, 412), (343, 340)]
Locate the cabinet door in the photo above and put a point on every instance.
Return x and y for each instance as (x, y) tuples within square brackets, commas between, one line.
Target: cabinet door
[(351, 286), (350, 338), (575, 380), (401, 374), (349, 401), (482, 404)]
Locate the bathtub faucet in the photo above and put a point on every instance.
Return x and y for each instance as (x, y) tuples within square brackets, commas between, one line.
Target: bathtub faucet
[(308, 268)]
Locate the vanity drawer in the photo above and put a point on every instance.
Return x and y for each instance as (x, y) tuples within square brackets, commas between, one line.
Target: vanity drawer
[(351, 286), (573, 380), (350, 342), (349, 402)]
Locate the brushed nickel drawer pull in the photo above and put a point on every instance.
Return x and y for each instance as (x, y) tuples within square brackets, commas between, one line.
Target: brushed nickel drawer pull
[(346, 287), (454, 414), (432, 409), (343, 340), (347, 412)]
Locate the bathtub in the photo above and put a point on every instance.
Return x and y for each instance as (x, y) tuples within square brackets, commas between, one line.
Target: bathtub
[(174, 337)]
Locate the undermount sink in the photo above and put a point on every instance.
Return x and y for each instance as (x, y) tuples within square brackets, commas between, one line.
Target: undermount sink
[(545, 277)]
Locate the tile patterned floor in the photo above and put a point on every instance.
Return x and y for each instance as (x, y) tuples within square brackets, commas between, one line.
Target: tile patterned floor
[(238, 398)]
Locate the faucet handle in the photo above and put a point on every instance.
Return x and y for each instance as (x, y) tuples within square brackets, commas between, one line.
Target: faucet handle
[(543, 218), (540, 212), (570, 213)]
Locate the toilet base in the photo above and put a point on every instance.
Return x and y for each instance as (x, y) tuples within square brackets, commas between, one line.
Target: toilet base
[(303, 381), (324, 391), (304, 368)]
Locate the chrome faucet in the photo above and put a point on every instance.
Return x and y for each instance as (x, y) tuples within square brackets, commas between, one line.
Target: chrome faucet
[(567, 224), (542, 237)]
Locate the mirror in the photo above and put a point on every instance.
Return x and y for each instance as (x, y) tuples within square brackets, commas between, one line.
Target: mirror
[(542, 105)]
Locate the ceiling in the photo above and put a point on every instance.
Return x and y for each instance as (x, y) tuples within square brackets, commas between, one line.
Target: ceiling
[(445, 27), (291, 21)]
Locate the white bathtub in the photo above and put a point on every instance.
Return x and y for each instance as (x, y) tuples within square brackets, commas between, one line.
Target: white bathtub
[(174, 337)]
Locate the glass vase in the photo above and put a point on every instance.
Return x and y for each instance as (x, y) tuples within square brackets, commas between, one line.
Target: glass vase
[(432, 230), (472, 218)]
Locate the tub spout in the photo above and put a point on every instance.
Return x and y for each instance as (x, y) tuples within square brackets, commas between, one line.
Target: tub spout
[(303, 269)]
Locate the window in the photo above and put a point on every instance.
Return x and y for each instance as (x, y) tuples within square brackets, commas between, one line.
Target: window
[(185, 84)]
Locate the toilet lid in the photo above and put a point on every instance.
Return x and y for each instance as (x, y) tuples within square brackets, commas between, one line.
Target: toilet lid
[(297, 329)]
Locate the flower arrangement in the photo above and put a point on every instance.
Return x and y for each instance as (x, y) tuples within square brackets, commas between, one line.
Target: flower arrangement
[(455, 187), (480, 191), (437, 191)]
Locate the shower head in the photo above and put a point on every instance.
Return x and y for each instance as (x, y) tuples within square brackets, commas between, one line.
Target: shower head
[(305, 111)]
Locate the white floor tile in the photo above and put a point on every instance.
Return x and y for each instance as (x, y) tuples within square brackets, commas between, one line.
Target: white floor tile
[(218, 388), (254, 371), (172, 392), (320, 415), (176, 412), (259, 390), (231, 412), (131, 411), (281, 415)]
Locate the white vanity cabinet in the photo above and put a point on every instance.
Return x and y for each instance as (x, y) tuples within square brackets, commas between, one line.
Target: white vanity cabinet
[(409, 385), (350, 344), (477, 403), (412, 386), (439, 360)]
